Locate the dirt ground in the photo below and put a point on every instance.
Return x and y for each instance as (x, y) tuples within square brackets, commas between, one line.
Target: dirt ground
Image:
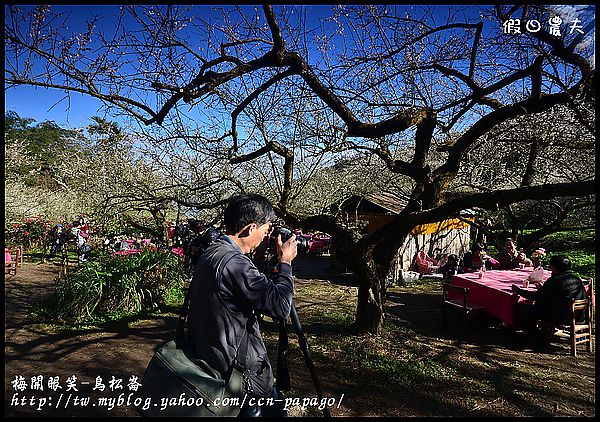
[(487, 370)]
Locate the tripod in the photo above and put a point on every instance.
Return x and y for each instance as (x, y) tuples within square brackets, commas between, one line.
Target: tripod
[(283, 375)]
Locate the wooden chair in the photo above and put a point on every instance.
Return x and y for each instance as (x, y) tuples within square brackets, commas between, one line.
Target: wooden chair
[(462, 303), (581, 333), (576, 332), (21, 255), (12, 260)]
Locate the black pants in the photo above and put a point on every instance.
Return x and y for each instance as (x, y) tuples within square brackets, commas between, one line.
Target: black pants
[(56, 247), (526, 317), (275, 411)]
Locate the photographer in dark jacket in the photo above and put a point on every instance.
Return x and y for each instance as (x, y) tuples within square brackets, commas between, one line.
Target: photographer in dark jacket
[(223, 314), (205, 235), (552, 299)]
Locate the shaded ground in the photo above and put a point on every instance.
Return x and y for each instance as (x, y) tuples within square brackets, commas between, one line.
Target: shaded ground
[(416, 368)]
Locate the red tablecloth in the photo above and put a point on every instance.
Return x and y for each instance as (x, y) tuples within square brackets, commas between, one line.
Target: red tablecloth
[(493, 292)]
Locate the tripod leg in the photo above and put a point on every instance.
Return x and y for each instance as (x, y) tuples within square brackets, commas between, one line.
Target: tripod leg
[(282, 373), (307, 358)]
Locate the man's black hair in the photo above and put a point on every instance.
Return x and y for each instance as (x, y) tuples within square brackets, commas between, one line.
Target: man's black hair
[(453, 257), (246, 209), (561, 263), (511, 240)]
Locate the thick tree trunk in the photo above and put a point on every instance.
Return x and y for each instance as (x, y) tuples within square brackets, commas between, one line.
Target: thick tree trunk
[(371, 297), (375, 263)]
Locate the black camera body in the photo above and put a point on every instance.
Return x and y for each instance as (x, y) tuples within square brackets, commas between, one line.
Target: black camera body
[(301, 241), (268, 262)]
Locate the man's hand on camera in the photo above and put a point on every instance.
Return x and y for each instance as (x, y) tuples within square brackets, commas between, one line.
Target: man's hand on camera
[(287, 251)]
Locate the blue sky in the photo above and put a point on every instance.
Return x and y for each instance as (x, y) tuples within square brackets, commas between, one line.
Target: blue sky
[(40, 103), (51, 104)]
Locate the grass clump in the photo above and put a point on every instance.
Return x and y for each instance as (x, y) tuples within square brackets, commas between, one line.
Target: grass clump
[(114, 287)]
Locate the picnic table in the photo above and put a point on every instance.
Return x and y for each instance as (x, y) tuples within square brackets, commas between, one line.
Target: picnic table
[(132, 247), (317, 242), (493, 291), (127, 252)]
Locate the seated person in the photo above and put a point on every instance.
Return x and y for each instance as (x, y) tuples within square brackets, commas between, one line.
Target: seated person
[(425, 263), (476, 257), (451, 267), (440, 257), (510, 258), (552, 299)]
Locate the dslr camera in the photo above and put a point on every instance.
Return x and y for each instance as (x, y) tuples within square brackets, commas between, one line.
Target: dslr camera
[(301, 241), (268, 262)]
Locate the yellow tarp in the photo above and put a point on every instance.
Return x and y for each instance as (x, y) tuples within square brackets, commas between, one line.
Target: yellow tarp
[(453, 224)]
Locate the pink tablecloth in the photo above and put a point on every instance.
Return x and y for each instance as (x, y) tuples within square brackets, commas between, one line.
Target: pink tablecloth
[(127, 252), (493, 292)]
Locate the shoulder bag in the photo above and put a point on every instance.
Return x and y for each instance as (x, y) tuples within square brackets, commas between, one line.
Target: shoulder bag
[(181, 383)]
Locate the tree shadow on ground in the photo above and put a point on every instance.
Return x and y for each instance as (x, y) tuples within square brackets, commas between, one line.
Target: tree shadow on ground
[(51, 346), (481, 350), (423, 314), (319, 268), (312, 328)]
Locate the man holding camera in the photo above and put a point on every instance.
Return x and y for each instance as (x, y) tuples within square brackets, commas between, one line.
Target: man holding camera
[(228, 294)]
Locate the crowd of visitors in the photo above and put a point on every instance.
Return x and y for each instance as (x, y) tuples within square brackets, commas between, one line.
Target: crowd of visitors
[(77, 232)]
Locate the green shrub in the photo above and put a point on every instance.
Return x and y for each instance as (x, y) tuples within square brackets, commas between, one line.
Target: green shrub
[(579, 246), (117, 285)]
